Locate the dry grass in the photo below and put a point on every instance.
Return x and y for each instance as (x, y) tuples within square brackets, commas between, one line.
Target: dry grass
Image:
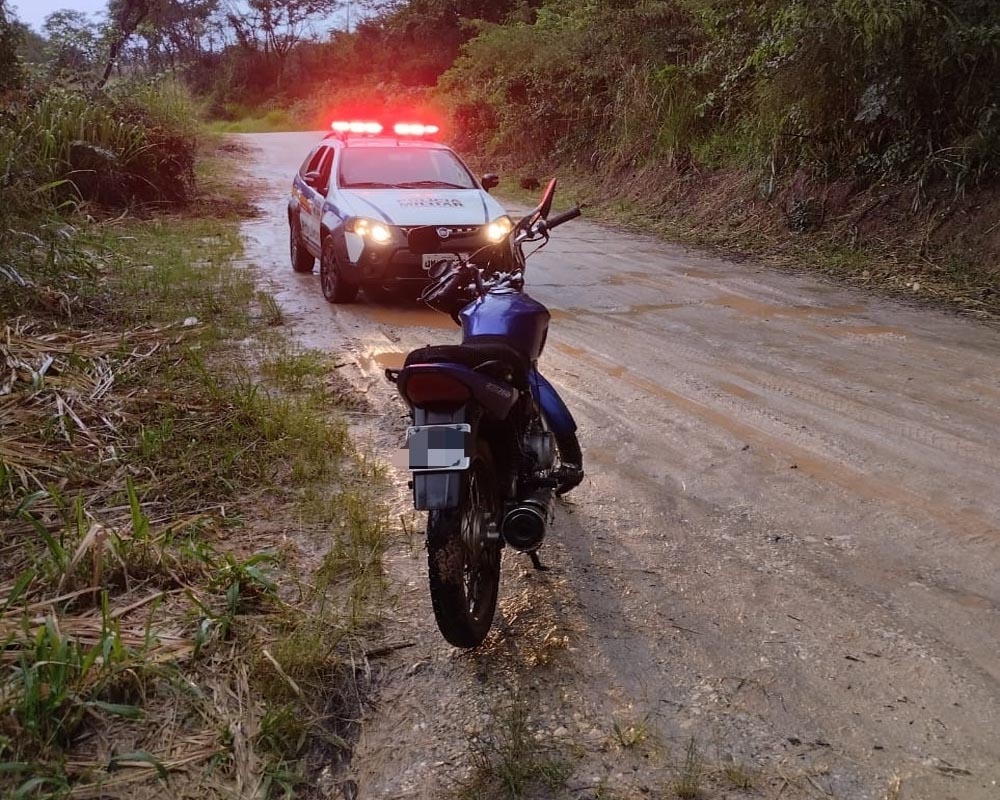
[(159, 628)]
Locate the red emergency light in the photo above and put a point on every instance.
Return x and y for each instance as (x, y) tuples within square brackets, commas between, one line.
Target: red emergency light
[(414, 129), (357, 126)]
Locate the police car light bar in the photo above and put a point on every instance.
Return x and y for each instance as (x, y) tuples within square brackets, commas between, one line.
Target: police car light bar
[(414, 129), (372, 128)]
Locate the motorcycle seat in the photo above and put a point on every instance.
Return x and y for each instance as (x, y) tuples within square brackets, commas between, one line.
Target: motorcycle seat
[(475, 354)]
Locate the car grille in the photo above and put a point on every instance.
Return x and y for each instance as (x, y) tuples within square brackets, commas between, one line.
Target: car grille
[(453, 230)]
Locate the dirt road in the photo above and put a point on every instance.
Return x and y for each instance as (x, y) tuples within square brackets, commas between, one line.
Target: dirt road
[(786, 550)]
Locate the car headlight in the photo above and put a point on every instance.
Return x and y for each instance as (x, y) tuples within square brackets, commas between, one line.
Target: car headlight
[(497, 230), (369, 229)]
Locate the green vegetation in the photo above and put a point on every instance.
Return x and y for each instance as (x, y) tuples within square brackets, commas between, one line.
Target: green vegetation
[(175, 617), (142, 594), (510, 763)]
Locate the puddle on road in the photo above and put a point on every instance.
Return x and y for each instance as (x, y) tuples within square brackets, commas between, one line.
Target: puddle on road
[(389, 360), (406, 317), (649, 307), (629, 279), (616, 311), (755, 308)]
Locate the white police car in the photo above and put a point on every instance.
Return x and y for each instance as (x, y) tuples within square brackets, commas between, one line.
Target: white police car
[(361, 191)]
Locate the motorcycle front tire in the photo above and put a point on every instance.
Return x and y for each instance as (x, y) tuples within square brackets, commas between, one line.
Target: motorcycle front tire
[(463, 559)]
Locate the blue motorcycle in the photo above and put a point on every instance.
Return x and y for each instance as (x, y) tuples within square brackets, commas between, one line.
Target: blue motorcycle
[(491, 442)]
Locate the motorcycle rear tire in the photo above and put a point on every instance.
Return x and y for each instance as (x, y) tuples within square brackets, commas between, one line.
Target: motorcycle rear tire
[(463, 562)]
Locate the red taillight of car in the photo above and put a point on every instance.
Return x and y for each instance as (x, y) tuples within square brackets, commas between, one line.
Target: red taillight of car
[(431, 388)]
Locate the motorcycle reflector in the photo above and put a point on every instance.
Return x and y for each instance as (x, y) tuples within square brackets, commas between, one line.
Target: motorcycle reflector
[(435, 388)]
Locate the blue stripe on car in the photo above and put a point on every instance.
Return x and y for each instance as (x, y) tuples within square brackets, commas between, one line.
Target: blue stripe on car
[(385, 217), (328, 206)]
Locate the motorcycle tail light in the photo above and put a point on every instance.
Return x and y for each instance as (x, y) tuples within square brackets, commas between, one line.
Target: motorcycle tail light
[(432, 388)]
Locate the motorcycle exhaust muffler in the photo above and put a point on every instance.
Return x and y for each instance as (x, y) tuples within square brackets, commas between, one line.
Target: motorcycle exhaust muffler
[(524, 526)]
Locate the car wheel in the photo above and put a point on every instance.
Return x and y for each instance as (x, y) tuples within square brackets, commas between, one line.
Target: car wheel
[(335, 288), (302, 261)]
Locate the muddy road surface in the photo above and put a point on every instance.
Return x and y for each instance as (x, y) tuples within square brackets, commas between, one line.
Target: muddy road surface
[(784, 560)]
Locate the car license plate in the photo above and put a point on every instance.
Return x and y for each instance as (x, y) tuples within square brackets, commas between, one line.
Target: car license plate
[(439, 448), (431, 260)]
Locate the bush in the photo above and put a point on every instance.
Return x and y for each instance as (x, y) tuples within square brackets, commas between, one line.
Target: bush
[(59, 148), (898, 90)]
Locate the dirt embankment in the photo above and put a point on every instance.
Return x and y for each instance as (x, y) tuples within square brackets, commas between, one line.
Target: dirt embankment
[(922, 244)]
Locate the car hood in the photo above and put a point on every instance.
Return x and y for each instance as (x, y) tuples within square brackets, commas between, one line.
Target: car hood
[(424, 207)]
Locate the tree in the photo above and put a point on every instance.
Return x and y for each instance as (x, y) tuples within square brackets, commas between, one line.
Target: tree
[(275, 27), (125, 16), (73, 42), (176, 32), (10, 64)]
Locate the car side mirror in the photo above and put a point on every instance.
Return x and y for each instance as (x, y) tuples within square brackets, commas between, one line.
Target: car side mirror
[(313, 179), (490, 181)]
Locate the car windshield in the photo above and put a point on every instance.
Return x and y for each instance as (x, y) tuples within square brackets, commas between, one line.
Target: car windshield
[(402, 168)]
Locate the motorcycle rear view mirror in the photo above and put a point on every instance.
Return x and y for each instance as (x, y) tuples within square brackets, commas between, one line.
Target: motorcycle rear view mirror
[(541, 211), (424, 240), (545, 206)]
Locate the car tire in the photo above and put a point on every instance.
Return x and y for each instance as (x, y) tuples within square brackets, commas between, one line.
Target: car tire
[(335, 288), (302, 260)]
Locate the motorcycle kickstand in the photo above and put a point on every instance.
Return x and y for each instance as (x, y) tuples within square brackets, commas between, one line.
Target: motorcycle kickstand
[(536, 562)]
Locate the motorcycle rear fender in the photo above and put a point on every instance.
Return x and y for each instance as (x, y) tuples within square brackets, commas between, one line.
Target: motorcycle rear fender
[(439, 490), (496, 397), (560, 420)]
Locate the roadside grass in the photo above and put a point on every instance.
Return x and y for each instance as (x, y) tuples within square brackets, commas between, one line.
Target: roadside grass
[(274, 121), (174, 619)]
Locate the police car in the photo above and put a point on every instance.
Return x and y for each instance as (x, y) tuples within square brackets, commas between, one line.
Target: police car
[(361, 191)]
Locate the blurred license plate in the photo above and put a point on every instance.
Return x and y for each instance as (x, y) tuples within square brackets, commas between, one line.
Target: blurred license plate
[(431, 260), (438, 448)]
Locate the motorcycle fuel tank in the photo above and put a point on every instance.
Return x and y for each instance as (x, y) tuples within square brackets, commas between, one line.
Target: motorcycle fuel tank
[(515, 316)]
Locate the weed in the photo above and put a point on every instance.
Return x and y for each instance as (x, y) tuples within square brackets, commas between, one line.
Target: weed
[(740, 776), (270, 309), (631, 735), (687, 785), (509, 763), (295, 371)]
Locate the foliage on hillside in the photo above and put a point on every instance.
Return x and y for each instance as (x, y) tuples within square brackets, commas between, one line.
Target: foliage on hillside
[(64, 148), (892, 90)]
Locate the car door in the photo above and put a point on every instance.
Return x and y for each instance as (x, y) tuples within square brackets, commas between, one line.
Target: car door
[(318, 181)]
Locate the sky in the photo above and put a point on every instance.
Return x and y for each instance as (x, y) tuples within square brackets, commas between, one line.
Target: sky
[(34, 12)]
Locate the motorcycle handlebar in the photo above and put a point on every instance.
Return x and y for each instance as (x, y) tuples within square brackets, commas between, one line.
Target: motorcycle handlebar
[(559, 219)]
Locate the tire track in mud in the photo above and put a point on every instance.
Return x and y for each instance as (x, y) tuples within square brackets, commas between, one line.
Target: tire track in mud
[(976, 526)]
